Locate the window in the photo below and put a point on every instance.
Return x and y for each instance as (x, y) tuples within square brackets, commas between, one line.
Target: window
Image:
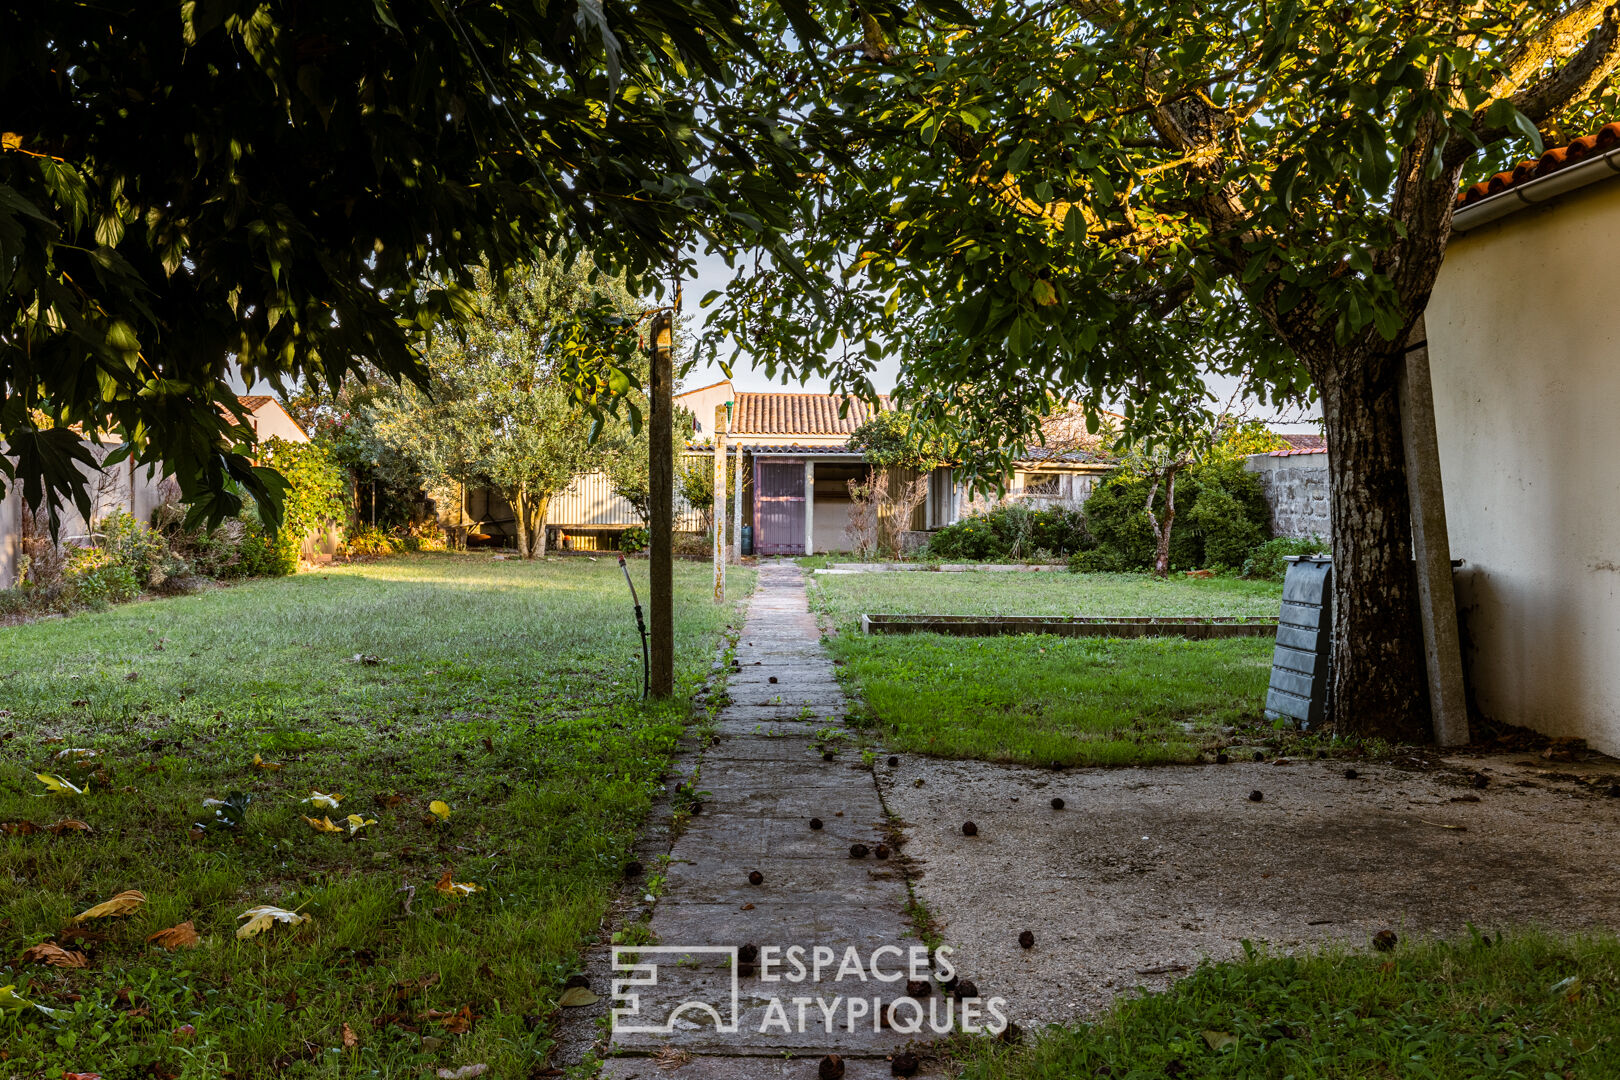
[(1043, 485)]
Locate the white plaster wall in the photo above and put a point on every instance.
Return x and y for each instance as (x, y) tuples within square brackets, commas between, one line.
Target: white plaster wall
[(1525, 355)]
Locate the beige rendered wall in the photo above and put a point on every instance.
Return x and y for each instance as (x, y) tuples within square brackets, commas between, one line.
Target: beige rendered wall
[(1525, 354)]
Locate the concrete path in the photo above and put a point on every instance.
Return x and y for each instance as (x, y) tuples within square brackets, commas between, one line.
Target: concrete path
[(766, 778)]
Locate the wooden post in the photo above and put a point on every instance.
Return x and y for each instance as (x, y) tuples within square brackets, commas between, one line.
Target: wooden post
[(661, 496), (1431, 546), (719, 515), (736, 506)]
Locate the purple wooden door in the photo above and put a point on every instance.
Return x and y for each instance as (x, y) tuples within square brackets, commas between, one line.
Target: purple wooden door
[(778, 506)]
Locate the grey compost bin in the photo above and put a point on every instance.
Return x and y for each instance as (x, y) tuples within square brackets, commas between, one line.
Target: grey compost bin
[(1299, 664)]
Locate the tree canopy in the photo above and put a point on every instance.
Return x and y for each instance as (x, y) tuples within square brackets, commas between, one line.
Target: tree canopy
[(281, 191)]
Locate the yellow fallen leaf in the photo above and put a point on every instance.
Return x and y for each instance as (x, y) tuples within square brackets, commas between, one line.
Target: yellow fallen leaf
[(57, 785), (356, 823), (183, 936), (262, 918), (124, 903), (267, 766), (439, 809), (456, 888), (54, 955), (322, 824), (323, 802)]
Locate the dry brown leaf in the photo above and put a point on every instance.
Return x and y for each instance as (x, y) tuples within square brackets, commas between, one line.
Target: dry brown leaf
[(183, 936), (68, 825), (54, 955), (670, 1058), (350, 1039), (388, 802), (124, 903), (460, 1022), (18, 828)]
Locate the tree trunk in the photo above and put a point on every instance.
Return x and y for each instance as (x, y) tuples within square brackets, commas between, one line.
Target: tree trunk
[(1378, 668), (1161, 530), (542, 506), (519, 518)]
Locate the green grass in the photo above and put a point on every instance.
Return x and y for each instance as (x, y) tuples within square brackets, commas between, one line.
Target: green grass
[(1040, 699), (507, 690), (1527, 1005)]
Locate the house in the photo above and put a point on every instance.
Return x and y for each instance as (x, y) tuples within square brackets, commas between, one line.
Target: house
[(798, 466), (1524, 357), (131, 487)]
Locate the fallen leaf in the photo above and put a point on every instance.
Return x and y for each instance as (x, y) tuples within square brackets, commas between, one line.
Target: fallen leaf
[(456, 888), (183, 936), (57, 785), (439, 809), (388, 802), (576, 996), (466, 1072), (1218, 1039), (13, 1002), (260, 919), (459, 1022), (74, 752), (323, 802), (81, 1076), (18, 828), (68, 825), (267, 766), (356, 823), (350, 1039), (322, 824), (54, 955), (124, 903)]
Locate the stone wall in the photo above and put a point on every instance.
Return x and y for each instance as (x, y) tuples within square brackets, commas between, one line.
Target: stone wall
[(1296, 486)]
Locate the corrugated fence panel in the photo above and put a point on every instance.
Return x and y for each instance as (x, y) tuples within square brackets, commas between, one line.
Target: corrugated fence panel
[(590, 502)]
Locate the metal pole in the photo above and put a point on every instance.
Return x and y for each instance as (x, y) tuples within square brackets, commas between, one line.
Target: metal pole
[(661, 495), (720, 502)]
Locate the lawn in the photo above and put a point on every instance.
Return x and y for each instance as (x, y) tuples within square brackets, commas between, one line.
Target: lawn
[(1043, 699), (508, 691), (1525, 1005)]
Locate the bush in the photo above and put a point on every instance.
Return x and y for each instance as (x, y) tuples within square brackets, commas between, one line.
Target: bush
[(371, 543), (634, 539), (425, 535), (260, 553), (1220, 517), (1011, 531), (1267, 560), (134, 545), (95, 578)]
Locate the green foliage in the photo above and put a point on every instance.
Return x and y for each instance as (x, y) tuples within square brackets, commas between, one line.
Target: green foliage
[(95, 578), (499, 410), (694, 482), (291, 189), (894, 439), (1216, 533), (1011, 531), (368, 542), (1268, 560), (318, 491), (259, 552), (633, 539), (1095, 561), (128, 542)]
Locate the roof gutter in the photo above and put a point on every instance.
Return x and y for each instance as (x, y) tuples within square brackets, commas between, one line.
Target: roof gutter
[(1539, 190)]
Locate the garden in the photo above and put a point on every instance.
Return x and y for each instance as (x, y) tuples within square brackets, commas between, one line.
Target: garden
[(356, 821)]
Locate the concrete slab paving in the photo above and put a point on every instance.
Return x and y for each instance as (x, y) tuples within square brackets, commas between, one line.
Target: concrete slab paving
[(764, 778)]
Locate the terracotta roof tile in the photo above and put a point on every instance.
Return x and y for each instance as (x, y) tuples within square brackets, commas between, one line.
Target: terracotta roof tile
[(799, 414), (1305, 442), (254, 402), (1603, 140), (1296, 453)]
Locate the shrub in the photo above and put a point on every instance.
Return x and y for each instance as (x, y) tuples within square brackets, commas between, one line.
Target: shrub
[(1011, 531), (95, 578), (425, 535), (260, 553), (1267, 560), (1220, 535), (134, 545), (371, 543), (634, 539)]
